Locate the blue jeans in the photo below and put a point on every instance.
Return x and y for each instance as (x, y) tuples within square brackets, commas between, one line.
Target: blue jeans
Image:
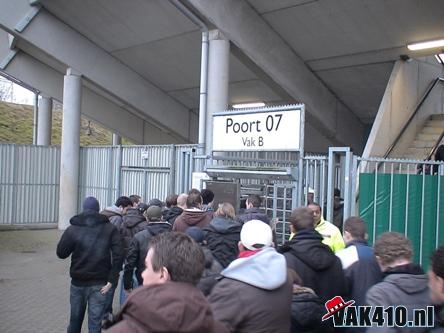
[(122, 289), (80, 297)]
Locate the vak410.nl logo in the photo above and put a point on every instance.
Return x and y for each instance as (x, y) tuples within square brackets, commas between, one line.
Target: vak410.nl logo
[(345, 314)]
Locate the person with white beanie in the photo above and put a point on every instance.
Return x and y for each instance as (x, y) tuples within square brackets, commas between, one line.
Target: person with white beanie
[(255, 292)]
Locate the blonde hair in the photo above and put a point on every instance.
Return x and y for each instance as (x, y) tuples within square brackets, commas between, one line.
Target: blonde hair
[(225, 210)]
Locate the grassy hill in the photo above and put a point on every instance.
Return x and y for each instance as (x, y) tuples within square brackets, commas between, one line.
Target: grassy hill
[(16, 126)]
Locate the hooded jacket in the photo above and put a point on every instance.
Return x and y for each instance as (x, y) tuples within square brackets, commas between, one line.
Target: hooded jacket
[(170, 215), (95, 247), (135, 258), (316, 264), (403, 285), (172, 307), (253, 214), (254, 294), (114, 215), (222, 237), (132, 223), (191, 218)]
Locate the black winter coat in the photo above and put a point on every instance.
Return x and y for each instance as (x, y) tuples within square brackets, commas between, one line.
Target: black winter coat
[(133, 222), (316, 264), (95, 247), (222, 237), (210, 273), (306, 312), (253, 214), (170, 215), (135, 259)]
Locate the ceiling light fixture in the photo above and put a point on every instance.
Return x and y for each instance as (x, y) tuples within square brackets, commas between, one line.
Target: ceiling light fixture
[(426, 45), (248, 105), (440, 58)]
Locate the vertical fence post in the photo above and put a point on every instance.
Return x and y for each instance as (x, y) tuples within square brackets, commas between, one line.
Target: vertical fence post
[(353, 189), (172, 169), (300, 179), (110, 175), (330, 183), (348, 174), (14, 185), (119, 171)]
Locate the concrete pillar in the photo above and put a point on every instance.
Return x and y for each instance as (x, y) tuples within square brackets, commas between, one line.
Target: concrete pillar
[(70, 154), (44, 123), (35, 119), (218, 75), (117, 139)]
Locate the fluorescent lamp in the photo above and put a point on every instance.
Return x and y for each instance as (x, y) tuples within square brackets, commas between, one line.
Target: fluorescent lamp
[(426, 45), (440, 58), (248, 105)]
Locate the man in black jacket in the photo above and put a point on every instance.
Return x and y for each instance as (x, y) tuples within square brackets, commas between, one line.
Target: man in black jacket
[(314, 261), (95, 264), (253, 211), (138, 249), (173, 210)]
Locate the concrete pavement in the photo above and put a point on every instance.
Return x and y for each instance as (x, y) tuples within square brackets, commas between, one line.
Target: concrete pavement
[(34, 283)]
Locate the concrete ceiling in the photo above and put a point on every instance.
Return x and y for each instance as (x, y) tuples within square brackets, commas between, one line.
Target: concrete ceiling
[(350, 45), (157, 41)]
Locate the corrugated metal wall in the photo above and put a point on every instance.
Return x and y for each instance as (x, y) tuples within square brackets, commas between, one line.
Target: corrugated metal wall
[(30, 174), (98, 174), (29, 184), (149, 171)]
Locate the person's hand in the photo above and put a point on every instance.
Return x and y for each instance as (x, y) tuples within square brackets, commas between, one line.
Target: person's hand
[(106, 288), (128, 291)]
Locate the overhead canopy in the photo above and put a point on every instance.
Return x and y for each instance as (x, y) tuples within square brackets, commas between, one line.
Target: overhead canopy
[(144, 56)]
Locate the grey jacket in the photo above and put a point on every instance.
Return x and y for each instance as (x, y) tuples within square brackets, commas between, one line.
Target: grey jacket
[(409, 290), (254, 294)]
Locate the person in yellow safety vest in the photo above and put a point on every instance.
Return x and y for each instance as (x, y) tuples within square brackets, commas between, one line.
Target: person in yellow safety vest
[(331, 235)]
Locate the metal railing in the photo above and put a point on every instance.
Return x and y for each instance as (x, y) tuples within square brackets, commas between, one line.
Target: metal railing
[(418, 106)]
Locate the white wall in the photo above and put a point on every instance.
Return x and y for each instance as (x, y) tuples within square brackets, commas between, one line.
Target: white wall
[(407, 85)]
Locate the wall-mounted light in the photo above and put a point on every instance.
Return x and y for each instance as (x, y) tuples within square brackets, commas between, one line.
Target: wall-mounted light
[(248, 105), (426, 45), (440, 58)]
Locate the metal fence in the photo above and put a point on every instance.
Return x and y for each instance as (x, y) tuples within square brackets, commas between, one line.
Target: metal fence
[(149, 171), (405, 196), (390, 194), (30, 176), (29, 184)]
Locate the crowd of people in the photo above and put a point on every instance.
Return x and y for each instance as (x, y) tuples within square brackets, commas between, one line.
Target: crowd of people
[(186, 266)]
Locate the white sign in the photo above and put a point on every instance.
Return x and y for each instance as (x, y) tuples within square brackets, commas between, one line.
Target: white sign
[(257, 131), (145, 154), (198, 178)]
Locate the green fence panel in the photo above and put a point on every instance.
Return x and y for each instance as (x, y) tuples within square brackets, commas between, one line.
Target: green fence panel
[(382, 203), (408, 209), (429, 217), (366, 201), (399, 200), (414, 213)]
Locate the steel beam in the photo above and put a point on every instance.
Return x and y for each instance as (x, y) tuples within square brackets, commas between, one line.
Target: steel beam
[(250, 33), (96, 65)]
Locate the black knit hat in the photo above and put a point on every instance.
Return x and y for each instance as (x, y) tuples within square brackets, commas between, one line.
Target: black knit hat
[(91, 203)]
